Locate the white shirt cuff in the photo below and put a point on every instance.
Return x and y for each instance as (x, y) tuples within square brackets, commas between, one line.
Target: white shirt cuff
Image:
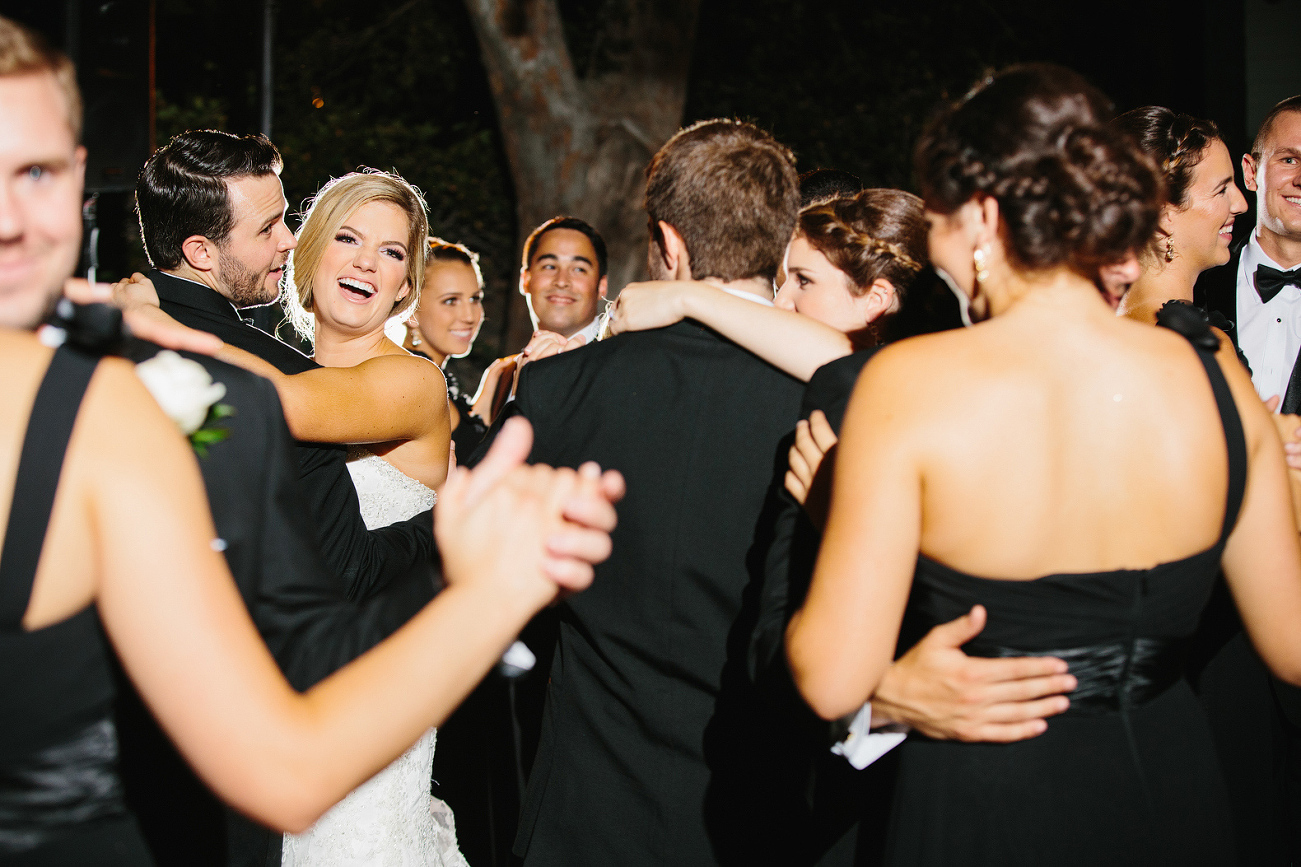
[(862, 745)]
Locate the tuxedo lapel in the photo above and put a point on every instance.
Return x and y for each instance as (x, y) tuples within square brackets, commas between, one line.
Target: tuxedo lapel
[(1292, 398), (1216, 290)]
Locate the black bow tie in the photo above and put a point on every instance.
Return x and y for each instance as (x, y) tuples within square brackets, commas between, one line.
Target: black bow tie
[(1270, 281)]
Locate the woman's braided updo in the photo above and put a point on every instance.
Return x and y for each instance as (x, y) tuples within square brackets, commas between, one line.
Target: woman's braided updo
[(1175, 142), (876, 234), (1071, 190)]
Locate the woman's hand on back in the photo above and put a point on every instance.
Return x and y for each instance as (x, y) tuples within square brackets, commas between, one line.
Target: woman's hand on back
[(806, 481), (652, 304)]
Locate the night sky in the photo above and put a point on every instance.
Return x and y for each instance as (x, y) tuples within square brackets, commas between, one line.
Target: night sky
[(398, 85)]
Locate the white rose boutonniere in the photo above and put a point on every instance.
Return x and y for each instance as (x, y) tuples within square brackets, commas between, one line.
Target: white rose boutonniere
[(188, 396)]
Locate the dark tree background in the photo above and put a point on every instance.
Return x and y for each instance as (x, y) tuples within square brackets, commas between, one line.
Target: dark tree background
[(846, 83)]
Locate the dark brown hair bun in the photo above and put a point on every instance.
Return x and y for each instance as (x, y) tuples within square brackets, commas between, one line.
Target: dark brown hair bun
[(1071, 190)]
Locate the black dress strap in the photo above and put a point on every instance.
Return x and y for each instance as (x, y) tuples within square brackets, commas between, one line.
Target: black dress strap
[(1234, 439), (1193, 323), (48, 430)]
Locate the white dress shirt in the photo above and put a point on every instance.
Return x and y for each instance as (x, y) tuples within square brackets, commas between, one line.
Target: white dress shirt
[(591, 332), (1268, 334)]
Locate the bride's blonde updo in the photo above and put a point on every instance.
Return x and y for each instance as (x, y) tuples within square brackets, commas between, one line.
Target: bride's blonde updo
[(332, 205), (1072, 191)]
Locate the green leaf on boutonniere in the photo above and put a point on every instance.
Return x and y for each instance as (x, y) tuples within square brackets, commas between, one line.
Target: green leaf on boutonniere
[(210, 433)]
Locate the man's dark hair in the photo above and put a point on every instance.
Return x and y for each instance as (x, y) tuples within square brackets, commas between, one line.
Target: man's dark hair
[(574, 224), (1292, 103), (731, 192), (822, 184), (182, 189)]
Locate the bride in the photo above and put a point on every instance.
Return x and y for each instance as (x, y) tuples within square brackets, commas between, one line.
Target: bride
[(360, 260)]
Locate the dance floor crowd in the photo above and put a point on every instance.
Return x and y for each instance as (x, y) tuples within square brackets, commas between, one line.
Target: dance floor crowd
[(876, 527)]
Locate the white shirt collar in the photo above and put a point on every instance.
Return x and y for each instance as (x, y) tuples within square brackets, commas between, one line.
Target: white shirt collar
[(749, 296), (591, 332)]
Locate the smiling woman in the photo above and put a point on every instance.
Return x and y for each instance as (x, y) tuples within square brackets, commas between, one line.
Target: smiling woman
[(1201, 202)]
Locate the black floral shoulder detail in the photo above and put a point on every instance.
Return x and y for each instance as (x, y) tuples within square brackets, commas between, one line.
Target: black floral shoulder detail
[(1190, 321), (93, 328)]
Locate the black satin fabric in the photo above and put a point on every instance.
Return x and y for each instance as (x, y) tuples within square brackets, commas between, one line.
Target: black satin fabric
[(61, 798), (1110, 676), (1128, 775), (70, 783)]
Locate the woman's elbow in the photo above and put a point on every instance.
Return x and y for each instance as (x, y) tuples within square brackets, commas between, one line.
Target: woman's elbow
[(828, 700), (823, 690), (291, 806)]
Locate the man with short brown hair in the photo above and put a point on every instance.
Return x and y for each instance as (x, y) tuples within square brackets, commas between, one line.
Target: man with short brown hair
[(653, 750)]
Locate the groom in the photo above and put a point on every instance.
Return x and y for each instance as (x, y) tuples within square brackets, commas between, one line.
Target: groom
[(650, 753), (212, 211)]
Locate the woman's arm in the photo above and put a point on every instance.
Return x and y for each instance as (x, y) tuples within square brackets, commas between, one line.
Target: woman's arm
[(790, 341), (382, 399), (843, 638), (172, 611), (1262, 560)]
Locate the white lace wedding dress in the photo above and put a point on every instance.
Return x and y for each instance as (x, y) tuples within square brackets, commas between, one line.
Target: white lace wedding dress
[(391, 820)]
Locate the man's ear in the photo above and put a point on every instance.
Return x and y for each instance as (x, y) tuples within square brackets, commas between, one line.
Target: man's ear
[(677, 261), (1249, 172), (199, 253), (603, 286), (79, 164), (523, 280)]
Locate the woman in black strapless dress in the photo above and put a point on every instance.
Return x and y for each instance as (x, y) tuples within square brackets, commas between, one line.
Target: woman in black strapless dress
[(444, 325), (1080, 475)]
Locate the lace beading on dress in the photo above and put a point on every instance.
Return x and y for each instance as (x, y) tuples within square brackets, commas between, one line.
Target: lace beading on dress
[(391, 820)]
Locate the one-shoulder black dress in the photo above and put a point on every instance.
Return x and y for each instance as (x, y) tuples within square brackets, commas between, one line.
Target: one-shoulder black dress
[(60, 796), (1129, 774)]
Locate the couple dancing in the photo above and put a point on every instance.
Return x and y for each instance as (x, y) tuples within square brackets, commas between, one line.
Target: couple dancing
[(357, 260)]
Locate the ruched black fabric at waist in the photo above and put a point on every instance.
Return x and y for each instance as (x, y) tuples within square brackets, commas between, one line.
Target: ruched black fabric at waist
[(1109, 676), (60, 790)]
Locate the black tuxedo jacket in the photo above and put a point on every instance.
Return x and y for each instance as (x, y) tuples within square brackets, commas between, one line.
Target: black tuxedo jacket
[(297, 602), (367, 561), (652, 750), (1217, 291)]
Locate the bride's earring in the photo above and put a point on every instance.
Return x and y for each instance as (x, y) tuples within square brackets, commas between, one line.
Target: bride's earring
[(413, 331), (1169, 249)]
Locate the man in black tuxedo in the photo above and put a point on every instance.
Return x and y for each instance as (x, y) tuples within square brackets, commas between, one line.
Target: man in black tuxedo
[(1259, 290), (321, 589), (211, 211), (1255, 717), (652, 751)]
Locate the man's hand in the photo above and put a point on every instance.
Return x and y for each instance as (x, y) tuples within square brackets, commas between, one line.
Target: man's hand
[(943, 693), (142, 316)]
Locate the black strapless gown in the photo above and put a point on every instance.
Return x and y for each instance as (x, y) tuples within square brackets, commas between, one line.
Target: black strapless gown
[(1129, 774)]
